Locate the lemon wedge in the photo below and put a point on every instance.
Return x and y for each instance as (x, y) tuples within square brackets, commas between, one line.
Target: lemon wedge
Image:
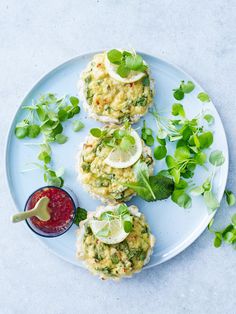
[(133, 76), (109, 232), (119, 158)]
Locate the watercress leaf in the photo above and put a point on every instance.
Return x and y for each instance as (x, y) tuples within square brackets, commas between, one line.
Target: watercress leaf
[(210, 200), (33, 130), (178, 110), (44, 156), (197, 191), (203, 97), (62, 115), (182, 153), (162, 186), (230, 198), (171, 162), (175, 174), (160, 152), (217, 242), (126, 143), (149, 140), (77, 125), (96, 132), (196, 140), (207, 185), (55, 181), (178, 94), (205, 139), (122, 209), (133, 62), (161, 133), (61, 138), (57, 130), (123, 71), (187, 174), (217, 158), (80, 215), (114, 56), (74, 111), (60, 172), (209, 118), (41, 113), (228, 237), (127, 226), (74, 101), (181, 198), (188, 87), (161, 141), (233, 219), (181, 185), (200, 158), (21, 132)]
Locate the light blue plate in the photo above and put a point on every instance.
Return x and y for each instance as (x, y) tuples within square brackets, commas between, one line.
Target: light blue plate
[(175, 228)]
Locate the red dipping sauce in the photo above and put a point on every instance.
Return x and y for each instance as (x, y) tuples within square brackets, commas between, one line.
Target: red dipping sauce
[(61, 208)]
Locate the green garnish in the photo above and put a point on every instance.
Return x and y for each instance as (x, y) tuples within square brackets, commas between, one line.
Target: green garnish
[(77, 125), (45, 117), (203, 97), (150, 188), (160, 152), (226, 235), (119, 138), (184, 88), (147, 135), (230, 198), (80, 215), (121, 213), (126, 62)]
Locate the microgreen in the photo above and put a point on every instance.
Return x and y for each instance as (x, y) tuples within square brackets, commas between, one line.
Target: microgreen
[(147, 135), (77, 125), (45, 116), (209, 118), (203, 97), (184, 88), (126, 62), (217, 158), (61, 138), (230, 198), (96, 132), (226, 235), (121, 213), (160, 152)]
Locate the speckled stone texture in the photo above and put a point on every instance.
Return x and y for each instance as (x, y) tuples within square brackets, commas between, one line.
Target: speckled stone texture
[(36, 36)]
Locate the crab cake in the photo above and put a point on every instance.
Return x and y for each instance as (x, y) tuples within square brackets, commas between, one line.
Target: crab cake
[(93, 165), (122, 259), (112, 101)]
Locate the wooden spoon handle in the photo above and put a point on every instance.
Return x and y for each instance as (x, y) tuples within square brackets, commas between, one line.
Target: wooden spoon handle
[(22, 216)]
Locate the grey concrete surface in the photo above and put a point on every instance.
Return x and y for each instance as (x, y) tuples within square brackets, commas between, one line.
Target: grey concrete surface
[(36, 36)]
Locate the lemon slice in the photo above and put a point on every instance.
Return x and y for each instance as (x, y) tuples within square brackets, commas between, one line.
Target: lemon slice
[(109, 232), (132, 77), (119, 158)]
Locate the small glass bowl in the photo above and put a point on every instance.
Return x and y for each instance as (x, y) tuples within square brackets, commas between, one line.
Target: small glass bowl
[(65, 228)]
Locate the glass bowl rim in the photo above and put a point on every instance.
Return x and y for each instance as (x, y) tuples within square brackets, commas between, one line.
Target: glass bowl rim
[(69, 225)]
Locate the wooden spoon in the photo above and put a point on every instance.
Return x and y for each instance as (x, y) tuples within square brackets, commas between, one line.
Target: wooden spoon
[(40, 210)]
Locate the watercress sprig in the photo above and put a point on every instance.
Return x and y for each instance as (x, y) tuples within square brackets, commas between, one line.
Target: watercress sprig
[(126, 62)]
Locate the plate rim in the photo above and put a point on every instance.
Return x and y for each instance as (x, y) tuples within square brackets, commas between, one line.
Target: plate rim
[(186, 242)]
